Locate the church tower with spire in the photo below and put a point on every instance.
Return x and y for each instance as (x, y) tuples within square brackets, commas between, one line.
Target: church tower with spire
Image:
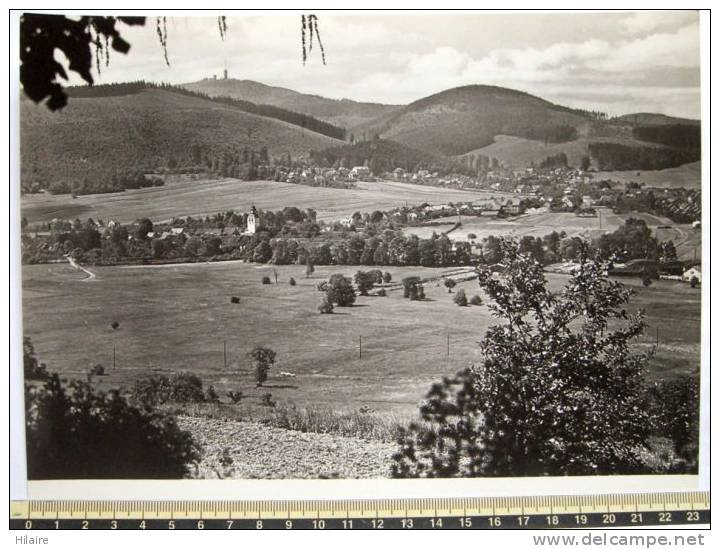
[(252, 220)]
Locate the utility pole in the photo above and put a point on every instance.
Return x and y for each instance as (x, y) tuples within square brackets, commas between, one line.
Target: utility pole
[(360, 339)]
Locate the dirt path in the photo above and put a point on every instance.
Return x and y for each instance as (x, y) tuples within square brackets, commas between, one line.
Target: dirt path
[(76, 265), (260, 451)]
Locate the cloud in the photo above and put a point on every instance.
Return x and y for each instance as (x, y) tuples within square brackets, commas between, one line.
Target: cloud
[(650, 21), (398, 59)]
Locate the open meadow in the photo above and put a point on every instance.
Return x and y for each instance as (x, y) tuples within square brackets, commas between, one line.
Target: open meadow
[(183, 196), (177, 317)]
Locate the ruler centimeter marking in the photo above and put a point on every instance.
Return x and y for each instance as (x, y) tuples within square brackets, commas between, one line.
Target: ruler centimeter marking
[(518, 512)]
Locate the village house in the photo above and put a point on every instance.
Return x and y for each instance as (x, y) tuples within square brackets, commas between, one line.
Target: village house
[(694, 271), (360, 172)]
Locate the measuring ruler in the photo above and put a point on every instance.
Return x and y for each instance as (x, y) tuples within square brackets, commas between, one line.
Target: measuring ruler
[(522, 512)]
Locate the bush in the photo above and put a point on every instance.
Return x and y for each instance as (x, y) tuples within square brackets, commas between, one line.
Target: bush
[(449, 284), (387, 277), (235, 396), (32, 369), (186, 387), (694, 281), (647, 281), (211, 395), (382, 292), (325, 307), (97, 370), (74, 432), (339, 290), (377, 276), (266, 280), (675, 410), (292, 281), (364, 280), (267, 400), (413, 288), (475, 300), (234, 299), (264, 360), (460, 298), (153, 390)]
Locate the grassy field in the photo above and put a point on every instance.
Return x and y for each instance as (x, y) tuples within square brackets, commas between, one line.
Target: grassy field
[(686, 239), (177, 317), (687, 176), (182, 196)]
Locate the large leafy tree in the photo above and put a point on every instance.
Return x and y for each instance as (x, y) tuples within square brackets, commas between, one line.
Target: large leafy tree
[(559, 390)]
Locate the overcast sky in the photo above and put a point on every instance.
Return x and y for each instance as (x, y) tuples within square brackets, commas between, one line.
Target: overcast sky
[(619, 62)]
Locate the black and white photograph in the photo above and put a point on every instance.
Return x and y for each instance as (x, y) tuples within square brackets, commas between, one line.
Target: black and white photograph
[(361, 245)]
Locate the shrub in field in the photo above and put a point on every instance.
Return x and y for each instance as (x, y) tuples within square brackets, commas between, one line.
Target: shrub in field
[(387, 277), (377, 275), (265, 280), (309, 268), (476, 300), (186, 387), (460, 298), (153, 390), (507, 417), (234, 299), (364, 280), (32, 369), (647, 281), (413, 288), (449, 284), (75, 432), (264, 360), (292, 281), (211, 395), (267, 400), (235, 396), (97, 370), (150, 390), (339, 291), (326, 307), (694, 281), (382, 292)]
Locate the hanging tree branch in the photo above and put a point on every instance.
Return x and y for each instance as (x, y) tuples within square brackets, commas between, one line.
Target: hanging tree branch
[(309, 26), (79, 38)]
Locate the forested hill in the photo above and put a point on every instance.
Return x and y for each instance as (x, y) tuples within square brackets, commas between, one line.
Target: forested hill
[(341, 112), (141, 128), (305, 121)]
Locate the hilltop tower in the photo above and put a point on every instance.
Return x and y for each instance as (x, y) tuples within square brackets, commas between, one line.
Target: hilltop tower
[(252, 220)]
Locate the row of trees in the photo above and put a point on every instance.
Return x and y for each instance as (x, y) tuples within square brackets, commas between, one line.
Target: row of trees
[(285, 237), (104, 184)]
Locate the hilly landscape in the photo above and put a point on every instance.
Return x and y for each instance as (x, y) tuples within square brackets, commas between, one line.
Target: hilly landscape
[(145, 129), (519, 129), (341, 112), (139, 127)]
